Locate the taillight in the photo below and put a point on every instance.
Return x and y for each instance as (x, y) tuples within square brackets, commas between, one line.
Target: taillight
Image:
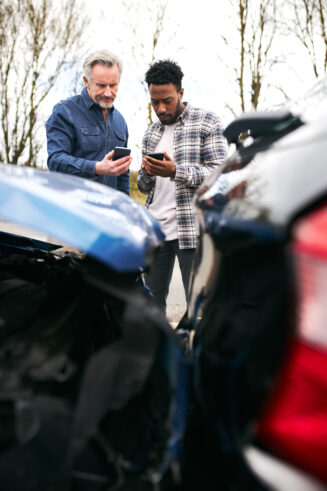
[(294, 424)]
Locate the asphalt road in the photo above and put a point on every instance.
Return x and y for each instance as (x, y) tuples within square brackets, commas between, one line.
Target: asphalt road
[(176, 304)]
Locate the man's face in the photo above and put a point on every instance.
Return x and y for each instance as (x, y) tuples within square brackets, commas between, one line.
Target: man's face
[(103, 86), (166, 101)]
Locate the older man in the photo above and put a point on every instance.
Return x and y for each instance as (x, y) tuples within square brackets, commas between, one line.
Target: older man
[(83, 130)]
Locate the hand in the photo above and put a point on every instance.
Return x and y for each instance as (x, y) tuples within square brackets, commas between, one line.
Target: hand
[(109, 167), (162, 168)]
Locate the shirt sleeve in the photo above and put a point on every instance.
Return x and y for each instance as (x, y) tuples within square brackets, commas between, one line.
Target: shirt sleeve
[(145, 183), (213, 153), (123, 181), (60, 144)]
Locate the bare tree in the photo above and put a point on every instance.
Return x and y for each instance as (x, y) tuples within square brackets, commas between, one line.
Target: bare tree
[(38, 41), (307, 21), (148, 23), (256, 27)]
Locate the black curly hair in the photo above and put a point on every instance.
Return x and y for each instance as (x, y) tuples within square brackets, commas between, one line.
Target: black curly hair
[(165, 72)]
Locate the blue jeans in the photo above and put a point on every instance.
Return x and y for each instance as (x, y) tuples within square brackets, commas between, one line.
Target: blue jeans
[(159, 277)]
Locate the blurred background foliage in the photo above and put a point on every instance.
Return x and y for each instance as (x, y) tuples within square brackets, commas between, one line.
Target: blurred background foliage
[(135, 193)]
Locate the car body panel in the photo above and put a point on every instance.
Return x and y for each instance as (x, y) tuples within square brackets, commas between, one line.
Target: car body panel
[(266, 191), (244, 301), (278, 475), (95, 219)]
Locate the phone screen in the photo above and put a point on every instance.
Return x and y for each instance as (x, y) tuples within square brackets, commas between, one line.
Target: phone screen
[(121, 152), (157, 156)]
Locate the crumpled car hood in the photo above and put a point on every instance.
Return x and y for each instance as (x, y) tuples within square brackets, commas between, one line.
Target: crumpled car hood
[(95, 219)]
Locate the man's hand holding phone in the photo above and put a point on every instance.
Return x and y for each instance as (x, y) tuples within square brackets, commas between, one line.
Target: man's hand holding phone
[(115, 163), (156, 156), (165, 167)]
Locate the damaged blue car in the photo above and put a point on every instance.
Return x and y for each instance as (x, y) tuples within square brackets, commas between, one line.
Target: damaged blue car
[(89, 368)]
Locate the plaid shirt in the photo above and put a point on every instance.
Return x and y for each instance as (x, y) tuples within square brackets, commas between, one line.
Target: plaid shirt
[(199, 146)]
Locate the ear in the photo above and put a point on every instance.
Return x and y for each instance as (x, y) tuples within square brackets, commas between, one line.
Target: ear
[(85, 81), (181, 93)]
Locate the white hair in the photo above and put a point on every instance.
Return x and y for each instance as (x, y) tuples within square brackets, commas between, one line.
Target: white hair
[(103, 57)]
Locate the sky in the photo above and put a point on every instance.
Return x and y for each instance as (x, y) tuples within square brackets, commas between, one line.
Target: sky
[(191, 36)]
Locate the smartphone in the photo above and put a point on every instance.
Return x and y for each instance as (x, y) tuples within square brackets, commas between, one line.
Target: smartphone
[(158, 156), (121, 152)]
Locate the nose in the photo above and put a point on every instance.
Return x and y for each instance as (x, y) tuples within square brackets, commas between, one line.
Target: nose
[(162, 108), (107, 92)]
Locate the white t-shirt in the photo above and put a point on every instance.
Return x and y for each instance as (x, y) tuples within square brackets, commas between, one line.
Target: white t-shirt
[(163, 205)]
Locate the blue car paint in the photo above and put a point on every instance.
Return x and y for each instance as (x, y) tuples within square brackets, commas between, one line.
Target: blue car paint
[(218, 224), (95, 219)]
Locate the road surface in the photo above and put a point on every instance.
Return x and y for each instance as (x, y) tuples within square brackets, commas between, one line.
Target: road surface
[(176, 304)]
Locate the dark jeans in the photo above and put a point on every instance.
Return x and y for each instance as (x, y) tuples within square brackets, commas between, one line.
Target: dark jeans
[(159, 277)]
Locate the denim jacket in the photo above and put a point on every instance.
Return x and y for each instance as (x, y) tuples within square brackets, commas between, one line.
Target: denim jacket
[(78, 137)]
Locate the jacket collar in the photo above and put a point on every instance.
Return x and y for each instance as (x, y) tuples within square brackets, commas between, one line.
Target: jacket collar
[(181, 117), (185, 113), (90, 102)]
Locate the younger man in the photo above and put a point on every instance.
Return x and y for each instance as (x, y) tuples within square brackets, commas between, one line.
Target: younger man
[(193, 145)]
